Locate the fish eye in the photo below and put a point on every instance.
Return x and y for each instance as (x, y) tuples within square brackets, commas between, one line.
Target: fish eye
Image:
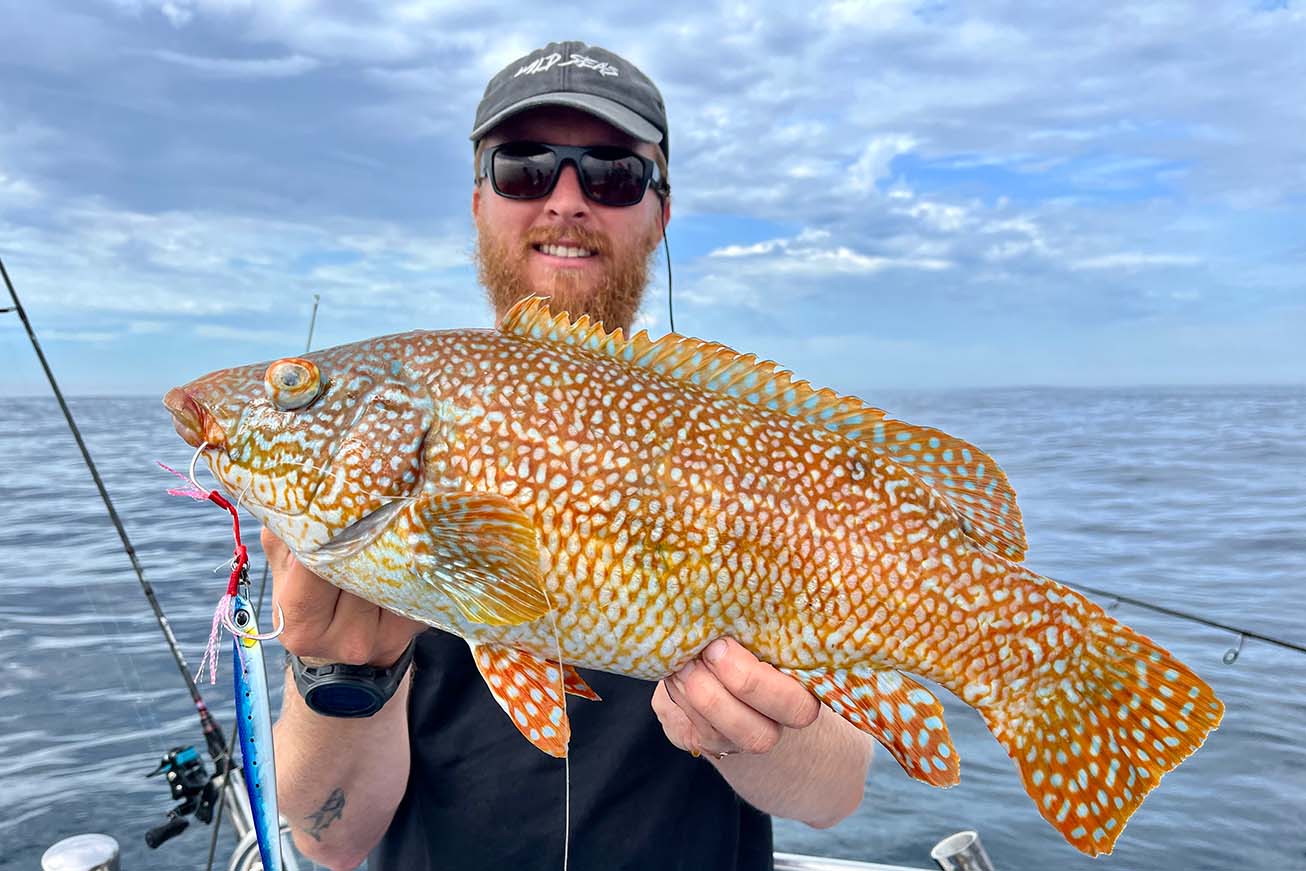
[(242, 618), (292, 383)]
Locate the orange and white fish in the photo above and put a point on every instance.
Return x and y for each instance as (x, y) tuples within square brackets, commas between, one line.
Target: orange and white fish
[(551, 491)]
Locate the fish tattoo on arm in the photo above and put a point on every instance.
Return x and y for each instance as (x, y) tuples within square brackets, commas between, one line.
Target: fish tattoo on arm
[(330, 811)]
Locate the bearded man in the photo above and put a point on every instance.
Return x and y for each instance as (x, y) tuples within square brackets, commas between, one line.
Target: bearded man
[(392, 745)]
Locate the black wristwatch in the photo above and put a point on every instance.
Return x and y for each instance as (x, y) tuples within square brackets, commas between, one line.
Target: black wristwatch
[(339, 690)]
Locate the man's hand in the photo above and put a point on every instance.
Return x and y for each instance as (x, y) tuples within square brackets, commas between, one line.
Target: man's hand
[(727, 701), (325, 623)]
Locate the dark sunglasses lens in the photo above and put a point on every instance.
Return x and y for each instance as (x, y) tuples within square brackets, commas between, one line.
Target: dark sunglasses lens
[(523, 170), (614, 176)]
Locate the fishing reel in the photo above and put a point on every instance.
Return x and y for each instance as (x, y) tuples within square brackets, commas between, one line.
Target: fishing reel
[(191, 784)]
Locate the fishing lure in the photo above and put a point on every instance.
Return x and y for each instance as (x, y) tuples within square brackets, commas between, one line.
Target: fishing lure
[(250, 682), (253, 720)]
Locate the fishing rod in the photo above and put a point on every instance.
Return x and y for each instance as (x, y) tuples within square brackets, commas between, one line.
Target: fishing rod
[(185, 772), (212, 731), (1230, 655)]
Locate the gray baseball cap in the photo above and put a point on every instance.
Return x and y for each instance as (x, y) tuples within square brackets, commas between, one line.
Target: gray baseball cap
[(581, 76)]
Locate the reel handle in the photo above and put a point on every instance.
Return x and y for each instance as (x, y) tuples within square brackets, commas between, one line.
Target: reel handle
[(166, 831)]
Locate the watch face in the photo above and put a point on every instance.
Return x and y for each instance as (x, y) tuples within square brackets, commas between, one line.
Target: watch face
[(339, 690), (345, 697)]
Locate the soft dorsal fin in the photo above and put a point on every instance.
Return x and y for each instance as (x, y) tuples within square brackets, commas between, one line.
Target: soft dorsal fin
[(961, 473)]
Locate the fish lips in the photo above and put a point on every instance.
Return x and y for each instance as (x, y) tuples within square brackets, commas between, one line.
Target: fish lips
[(192, 421)]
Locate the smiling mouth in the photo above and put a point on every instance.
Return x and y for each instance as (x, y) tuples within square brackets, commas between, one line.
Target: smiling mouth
[(567, 251)]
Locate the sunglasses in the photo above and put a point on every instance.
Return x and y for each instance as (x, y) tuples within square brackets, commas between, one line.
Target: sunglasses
[(609, 175)]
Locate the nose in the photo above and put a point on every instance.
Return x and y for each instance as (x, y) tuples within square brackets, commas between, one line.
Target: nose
[(567, 200)]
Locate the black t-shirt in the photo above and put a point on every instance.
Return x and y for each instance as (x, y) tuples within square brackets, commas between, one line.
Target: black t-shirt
[(480, 796)]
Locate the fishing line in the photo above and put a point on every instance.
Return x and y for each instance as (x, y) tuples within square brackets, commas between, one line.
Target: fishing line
[(281, 617), (1193, 618), (666, 248), (222, 797), (217, 817), (566, 760), (238, 563)]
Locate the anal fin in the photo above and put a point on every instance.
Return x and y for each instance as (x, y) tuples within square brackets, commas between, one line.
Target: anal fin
[(531, 691), (895, 710)]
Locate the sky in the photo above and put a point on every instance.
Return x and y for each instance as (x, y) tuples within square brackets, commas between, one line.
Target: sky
[(875, 194)]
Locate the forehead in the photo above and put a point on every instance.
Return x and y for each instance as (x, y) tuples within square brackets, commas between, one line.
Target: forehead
[(559, 125)]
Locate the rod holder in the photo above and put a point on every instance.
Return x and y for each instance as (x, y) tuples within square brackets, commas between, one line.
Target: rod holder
[(82, 853), (961, 852)]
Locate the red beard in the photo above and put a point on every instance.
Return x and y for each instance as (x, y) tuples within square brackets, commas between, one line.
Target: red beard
[(613, 297)]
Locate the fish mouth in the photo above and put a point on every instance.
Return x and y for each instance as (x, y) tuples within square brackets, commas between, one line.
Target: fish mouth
[(192, 421)]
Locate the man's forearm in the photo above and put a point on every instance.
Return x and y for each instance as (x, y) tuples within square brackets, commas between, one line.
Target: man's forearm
[(816, 775), (340, 780)]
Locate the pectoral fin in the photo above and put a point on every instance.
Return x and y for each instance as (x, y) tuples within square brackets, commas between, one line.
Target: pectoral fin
[(530, 690), (895, 710), (481, 551)]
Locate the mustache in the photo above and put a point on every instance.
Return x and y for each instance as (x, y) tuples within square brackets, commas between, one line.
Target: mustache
[(582, 236)]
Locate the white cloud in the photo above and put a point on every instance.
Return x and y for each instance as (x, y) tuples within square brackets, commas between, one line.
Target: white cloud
[(178, 15), (284, 337), (739, 275), (197, 264), (873, 164), (92, 337), (870, 15), (940, 216), (16, 191), (845, 260), (241, 68), (141, 328), (748, 250), (1134, 260)]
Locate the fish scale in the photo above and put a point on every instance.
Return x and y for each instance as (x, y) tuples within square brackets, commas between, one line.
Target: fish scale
[(553, 490)]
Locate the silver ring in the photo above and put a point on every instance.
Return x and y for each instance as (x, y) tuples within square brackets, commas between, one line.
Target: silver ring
[(724, 753)]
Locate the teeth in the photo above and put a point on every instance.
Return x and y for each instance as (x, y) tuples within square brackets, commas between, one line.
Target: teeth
[(565, 251)]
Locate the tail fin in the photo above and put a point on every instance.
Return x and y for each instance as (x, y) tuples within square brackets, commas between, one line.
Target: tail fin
[(1100, 724)]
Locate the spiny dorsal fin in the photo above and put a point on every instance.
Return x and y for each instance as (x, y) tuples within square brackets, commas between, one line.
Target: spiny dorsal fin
[(961, 473)]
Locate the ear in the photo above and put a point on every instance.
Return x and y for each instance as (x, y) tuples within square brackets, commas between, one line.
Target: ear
[(666, 209), (476, 200)]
